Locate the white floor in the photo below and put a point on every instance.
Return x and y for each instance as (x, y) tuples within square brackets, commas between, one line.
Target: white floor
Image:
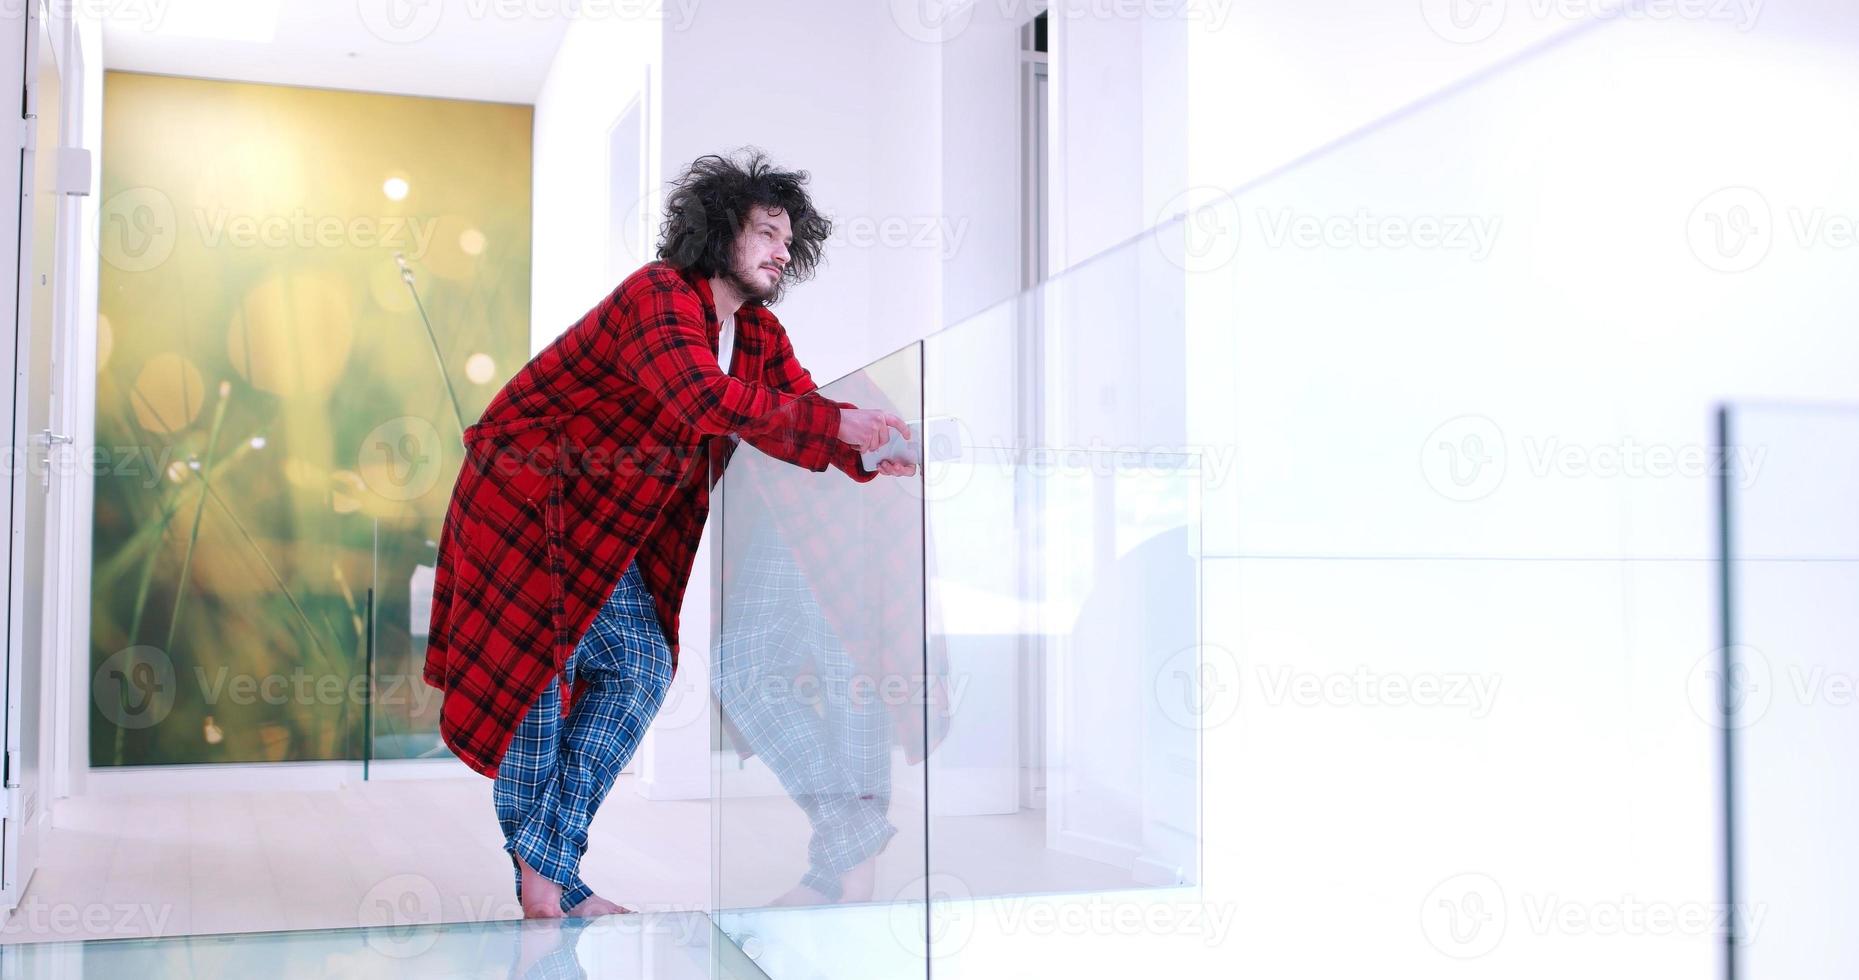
[(399, 852), (410, 853)]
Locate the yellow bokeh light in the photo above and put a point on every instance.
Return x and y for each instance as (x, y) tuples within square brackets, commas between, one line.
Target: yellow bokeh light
[(106, 339), (252, 178), (304, 474), (445, 255), (168, 393), (480, 368), (292, 332)]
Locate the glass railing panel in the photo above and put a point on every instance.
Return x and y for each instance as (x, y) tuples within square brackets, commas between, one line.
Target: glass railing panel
[(818, 669), (1070, 772), (1064, 504), (1783, 687)]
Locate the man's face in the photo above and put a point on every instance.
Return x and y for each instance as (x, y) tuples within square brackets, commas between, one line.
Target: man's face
[(761, 254)]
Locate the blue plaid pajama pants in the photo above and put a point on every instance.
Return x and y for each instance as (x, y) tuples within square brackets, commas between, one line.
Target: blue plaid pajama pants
[(829, 743), (557, 770)]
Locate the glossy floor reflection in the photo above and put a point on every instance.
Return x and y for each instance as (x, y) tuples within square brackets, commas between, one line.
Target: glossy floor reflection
[(670, 945), (1160, 933)]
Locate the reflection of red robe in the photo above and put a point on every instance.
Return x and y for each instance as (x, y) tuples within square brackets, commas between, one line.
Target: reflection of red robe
[(863, 556), (592, 457)]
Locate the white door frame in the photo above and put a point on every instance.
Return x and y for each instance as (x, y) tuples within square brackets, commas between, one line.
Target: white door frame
[(13, 171), (73, 412), (28, 800), (80, 255)]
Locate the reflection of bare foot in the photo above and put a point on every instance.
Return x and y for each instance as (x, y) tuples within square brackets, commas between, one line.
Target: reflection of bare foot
[(859, 882), (536, 940), (542, 898), (595, 905), (802, 895)]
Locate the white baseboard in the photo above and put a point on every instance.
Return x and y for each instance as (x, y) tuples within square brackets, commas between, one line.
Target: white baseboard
[(1095, 848), (1152, 871), (245, 777), (675, 789), (444, 767), (224, 778)]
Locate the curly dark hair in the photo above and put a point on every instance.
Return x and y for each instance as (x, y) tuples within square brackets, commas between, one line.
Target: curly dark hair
[(709, 204)]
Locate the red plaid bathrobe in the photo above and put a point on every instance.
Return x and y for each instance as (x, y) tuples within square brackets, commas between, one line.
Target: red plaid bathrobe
[(595, 455)]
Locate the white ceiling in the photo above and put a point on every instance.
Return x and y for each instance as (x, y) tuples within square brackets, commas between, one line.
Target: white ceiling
[(494, 50)]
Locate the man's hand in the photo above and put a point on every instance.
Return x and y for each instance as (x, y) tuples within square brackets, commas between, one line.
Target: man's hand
[(869, 428)]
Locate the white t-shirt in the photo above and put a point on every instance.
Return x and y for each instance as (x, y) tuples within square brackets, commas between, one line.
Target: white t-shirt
[(726, 343), (726, 352)]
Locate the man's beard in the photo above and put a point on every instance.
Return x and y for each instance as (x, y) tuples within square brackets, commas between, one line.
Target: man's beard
[(749, 286)]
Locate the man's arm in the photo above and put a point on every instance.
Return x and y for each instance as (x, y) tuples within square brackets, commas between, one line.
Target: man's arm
[(664, 348)]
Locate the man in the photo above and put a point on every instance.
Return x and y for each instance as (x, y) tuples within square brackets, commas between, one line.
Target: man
[(574, 523)]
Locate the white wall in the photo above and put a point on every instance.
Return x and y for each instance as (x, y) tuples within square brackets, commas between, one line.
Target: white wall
[(1118, 138), (1270, 82), (1120, 124), (838, 91), (980, 112), (604, 64)]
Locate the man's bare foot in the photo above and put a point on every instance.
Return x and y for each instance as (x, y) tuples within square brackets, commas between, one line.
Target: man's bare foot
[(542, 898), (595, 905)]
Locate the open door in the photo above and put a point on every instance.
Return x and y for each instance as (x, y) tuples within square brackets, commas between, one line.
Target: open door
[(31, 441)]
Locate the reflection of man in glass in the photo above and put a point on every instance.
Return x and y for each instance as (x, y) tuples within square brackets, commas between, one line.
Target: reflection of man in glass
[(789, 690), (571, 531)]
